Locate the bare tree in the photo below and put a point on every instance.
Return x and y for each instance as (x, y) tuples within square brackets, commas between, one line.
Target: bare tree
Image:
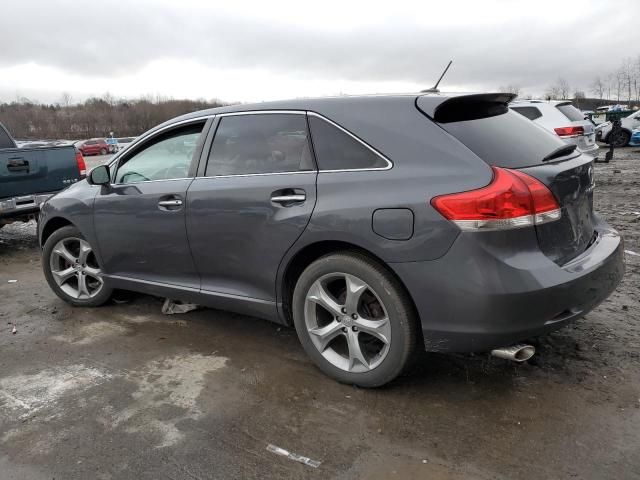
[(598, 87), (66, 99), (563, 88), (514, 89)]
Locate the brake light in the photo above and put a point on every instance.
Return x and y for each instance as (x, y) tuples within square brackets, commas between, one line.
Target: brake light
[(512, 200), (568, 132), (82, 167)]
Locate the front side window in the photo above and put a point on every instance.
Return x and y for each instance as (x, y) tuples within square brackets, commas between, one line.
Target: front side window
[(167, 156), (337, 150), (260, 143)]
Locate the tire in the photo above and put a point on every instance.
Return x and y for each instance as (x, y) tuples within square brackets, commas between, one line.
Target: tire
[(103, 151), (76, 282), (620, 140), (353, 351)]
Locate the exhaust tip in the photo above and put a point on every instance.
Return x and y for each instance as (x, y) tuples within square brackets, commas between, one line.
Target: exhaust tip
[(516, 353)]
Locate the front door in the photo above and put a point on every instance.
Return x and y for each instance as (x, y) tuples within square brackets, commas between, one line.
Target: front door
[(140, 218), (252, 202)]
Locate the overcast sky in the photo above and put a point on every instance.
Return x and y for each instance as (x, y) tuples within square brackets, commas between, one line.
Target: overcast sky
[(241, 50)]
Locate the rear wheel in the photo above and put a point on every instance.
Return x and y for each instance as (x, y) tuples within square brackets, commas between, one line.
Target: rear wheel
[(354, 319), (619, 139), (72, 270)]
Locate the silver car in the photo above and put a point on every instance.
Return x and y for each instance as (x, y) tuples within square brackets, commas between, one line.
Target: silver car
[(563, 119)]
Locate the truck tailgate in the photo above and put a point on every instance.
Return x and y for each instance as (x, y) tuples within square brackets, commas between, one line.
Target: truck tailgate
[(28, 171)]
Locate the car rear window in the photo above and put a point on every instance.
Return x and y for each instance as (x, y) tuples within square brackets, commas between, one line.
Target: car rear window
[(506, 140), (571, 112)]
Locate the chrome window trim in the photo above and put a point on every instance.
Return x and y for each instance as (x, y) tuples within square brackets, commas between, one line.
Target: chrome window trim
[(262, 112), (297, 172), (362, 142)]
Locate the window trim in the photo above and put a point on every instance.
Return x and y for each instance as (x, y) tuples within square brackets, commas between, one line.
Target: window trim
[(130, 149)]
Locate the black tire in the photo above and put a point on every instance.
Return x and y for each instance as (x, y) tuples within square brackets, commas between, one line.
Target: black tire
[(621, 139), (69, 231), (103, 151), (395, 301)]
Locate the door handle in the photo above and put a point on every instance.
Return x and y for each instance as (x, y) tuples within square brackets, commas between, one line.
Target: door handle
[(170, 203), (295, 198)]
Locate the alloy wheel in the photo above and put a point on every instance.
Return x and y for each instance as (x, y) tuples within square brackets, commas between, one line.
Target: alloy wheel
[(75, 269), (347, 322)]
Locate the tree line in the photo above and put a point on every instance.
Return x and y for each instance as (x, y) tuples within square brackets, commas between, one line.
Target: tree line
[(95, 117)]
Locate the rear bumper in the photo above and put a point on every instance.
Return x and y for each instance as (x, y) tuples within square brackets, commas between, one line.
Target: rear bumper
[(23, 205), (482, 295)]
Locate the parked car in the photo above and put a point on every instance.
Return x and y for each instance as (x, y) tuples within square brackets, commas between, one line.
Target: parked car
[(562, 119), (94, 146), (635, 138), (29, 175), (124, 142), (621, 139), (375, 225)]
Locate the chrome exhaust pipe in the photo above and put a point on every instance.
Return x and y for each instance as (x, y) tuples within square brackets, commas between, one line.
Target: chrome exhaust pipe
[(516, 353)]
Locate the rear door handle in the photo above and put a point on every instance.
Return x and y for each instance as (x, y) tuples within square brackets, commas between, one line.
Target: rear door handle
[(170, 203), (295, 198)]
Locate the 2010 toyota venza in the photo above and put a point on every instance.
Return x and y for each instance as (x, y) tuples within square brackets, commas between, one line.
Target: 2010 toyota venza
[(376, 225)]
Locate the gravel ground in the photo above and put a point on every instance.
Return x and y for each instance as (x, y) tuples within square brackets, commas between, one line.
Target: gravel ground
[(125, 392)]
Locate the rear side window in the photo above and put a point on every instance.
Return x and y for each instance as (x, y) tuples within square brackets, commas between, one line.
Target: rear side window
[(337, 150), (530, 112), (571, 112), (264, 143), (506, 140)]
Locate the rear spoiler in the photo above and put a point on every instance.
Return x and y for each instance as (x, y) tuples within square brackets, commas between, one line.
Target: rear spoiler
[(464, 107)]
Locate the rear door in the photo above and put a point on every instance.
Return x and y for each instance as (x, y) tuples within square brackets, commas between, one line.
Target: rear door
[(140, 219), (26, 171), (252, 199)]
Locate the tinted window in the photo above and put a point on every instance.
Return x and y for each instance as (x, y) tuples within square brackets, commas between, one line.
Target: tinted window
[(507, 140), (5, 139), (265, 143), (530, 112), (571, 112), (162, 158), (337, 150)]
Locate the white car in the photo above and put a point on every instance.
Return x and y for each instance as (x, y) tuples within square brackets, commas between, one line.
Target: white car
[(563, 119), (629, 123)]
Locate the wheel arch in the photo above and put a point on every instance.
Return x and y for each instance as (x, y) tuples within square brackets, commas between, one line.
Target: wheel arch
[(53, 224), (310, 253)]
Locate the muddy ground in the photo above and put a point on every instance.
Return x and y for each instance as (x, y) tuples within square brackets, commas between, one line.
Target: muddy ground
[(124, 392)]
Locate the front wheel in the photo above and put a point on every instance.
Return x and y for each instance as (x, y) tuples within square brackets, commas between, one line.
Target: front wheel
[(619, 139), (72, 270), (354, 319), (103, 151)]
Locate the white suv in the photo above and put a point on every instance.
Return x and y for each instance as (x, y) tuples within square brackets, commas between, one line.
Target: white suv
[(561, 118), (621, 139)]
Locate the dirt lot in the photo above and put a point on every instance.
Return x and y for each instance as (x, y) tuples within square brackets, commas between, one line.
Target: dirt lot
[(124, 392)]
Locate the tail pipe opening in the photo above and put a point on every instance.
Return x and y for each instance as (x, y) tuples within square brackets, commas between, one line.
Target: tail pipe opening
[(515, 353)]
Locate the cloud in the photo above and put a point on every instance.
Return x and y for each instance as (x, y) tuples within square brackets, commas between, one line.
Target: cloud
[(492, 43)]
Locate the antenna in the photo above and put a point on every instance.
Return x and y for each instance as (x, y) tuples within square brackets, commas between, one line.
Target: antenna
[(434, 89)]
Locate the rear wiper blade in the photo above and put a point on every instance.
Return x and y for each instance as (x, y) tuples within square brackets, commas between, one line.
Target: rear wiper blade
[(560, 152)]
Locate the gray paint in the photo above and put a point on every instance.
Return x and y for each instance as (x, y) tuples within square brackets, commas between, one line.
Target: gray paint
[(230, 246)]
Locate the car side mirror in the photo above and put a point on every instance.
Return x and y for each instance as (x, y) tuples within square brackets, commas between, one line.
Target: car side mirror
[(99, 175)]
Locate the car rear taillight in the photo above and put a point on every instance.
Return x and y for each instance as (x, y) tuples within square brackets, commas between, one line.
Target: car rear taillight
[(82, 167), (568, 132), (512, 200)]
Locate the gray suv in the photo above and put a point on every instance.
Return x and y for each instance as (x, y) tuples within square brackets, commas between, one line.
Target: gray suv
[(376, 225)]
